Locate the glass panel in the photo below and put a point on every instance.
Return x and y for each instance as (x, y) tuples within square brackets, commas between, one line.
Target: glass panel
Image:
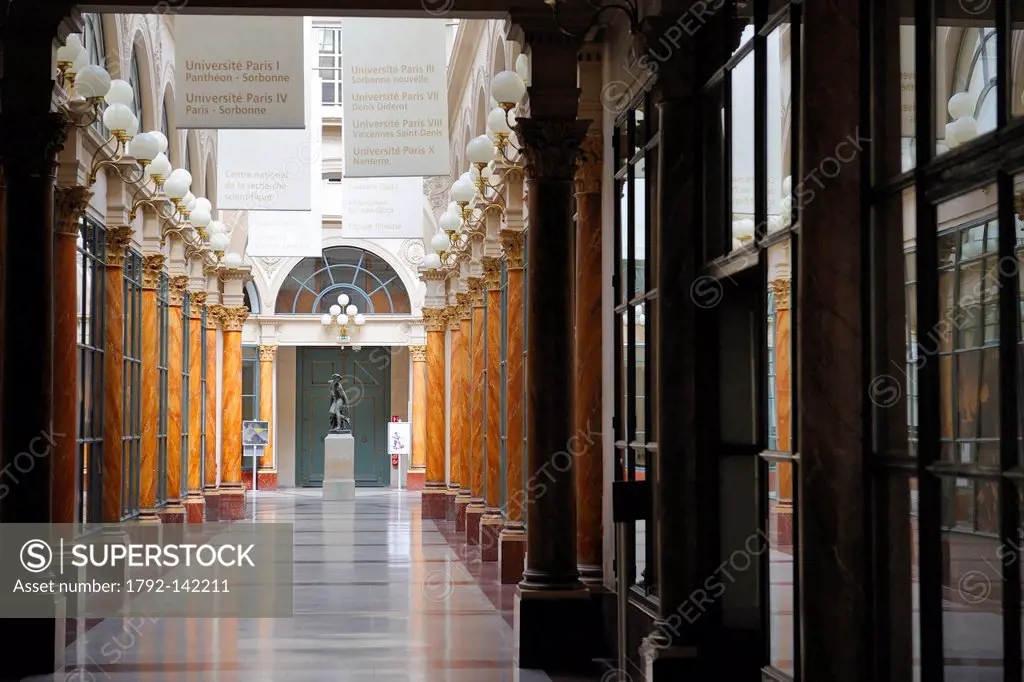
[(1016, 71), (741, 127), (744, 25), (640, 543), (965, 73), (781, 528), (640, 397), (639, 226), (327, 93), (622, 225), (780, 144), (972, 617)]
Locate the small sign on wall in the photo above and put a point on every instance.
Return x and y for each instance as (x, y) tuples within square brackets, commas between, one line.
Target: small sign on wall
[(399, 438)]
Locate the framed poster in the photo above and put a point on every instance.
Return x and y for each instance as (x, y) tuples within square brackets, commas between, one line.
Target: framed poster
[(255, 433), (399, 438)]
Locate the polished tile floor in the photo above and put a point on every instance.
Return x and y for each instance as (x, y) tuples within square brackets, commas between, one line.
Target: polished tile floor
[(379, 595)]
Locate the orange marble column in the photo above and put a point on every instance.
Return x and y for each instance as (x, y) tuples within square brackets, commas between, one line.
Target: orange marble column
[(267, 476), (71, 204), (475, 509), (454, 330), (585, 446), (491, 522), (174, 512), (118, 241), (783, 532), (434, 491), (416, 476), (210, 490), (512, 541), (195, 505), (153, 265), (461, 403), (232, 497)]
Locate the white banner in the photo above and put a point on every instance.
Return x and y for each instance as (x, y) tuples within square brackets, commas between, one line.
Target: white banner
[(239, 72), (382, 208), (395, 98), (265, 170), (294, 233)]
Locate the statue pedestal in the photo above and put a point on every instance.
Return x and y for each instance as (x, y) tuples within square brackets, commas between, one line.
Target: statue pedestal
[(339, 467)]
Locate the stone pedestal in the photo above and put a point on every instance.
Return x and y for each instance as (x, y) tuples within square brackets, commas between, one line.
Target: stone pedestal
[(556, 631), (511, 555), (490, 530), (474, 512), (461, 502), (450, 512), (339, 467)]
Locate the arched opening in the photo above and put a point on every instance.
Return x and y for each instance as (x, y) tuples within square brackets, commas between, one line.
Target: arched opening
[(252, 298), (314, 284)]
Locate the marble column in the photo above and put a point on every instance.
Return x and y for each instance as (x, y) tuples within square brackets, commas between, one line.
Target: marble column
[(512, 542), (586, 448), (152, 267), (830, 427), (416, 475), (174, 512), (211, 492), (118, 241), (475, 508), (783, 406), (268, 471), (71, 205), (30, 138), (553, 607), (454, 436), (491, 522), (232, 495), (195, 505), (461, 397), (434, 491)]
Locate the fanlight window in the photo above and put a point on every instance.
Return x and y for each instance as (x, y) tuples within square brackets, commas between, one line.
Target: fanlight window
[(314, 284)]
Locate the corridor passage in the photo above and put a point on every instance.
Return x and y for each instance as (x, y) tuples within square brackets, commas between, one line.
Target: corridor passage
[(379, 595)]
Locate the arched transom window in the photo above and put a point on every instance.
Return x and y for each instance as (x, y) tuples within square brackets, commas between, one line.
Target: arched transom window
[(371, 284)]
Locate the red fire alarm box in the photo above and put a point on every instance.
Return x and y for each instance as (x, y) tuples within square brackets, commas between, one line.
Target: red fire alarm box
[(394, 461), (394, 418)]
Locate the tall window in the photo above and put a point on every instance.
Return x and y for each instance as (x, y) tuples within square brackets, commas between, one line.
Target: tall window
[(92, 38), (328, 41), (92, 249), (250, 394), (635, 148), (135, 80), (163, 369), (186, 353), (372, 285), (947, 325), (131, 390)]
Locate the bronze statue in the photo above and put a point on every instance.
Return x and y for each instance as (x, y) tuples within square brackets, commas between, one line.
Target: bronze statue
[(341, 419)]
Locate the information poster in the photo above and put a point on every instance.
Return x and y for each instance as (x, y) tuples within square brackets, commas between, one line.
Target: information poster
[(395, 96), (382, 208), (239, 72), (265, 170)]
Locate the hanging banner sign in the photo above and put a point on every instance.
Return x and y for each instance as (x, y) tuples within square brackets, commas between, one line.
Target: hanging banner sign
[(287, 233), (239, 72), (395, 97), (382, 208), (265, 170)]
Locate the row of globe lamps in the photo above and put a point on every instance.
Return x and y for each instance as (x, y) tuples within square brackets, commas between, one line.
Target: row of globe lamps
[(88, 87), (492, 158)]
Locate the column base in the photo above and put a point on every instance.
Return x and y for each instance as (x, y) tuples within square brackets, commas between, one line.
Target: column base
[(195, 507), (149, 517), (556, 631), (232, 504), (433, 502), (490, 530), (474, 512), (212, 499), (174, 512), (265, 480), (511, 555), (461, 502), (415, 478), (592, 577), (781, 530), (449, 506)]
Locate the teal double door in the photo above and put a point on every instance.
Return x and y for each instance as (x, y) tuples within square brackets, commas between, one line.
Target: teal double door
[(366, 376)]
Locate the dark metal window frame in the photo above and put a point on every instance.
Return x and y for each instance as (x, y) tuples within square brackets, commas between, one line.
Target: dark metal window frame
[(186, 354), (163, 307), (250, 356), (503, 412), (347, 284), (635, 142), (92, 254), (131, 389), (336, 55), (994, 157)]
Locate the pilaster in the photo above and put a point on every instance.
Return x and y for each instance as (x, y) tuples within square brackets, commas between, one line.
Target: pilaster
[(434, 495), (475, 508), (512, 542), (195, 506), (267, 474), (461, 389), (416, 476), (452, 324), (152, 268), (491, 522), (210, 487), (177, 474), (232, 497)]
